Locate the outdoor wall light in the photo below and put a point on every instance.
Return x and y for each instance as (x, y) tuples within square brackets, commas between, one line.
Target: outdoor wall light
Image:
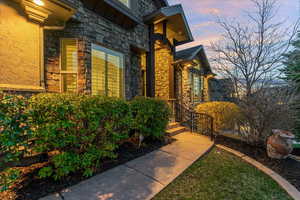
[(39, 2)]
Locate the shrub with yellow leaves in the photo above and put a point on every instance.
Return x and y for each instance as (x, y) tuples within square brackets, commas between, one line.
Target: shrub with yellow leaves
[(225, 114)]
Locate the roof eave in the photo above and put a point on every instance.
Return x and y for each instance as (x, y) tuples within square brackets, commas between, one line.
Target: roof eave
[(169, 11), (200, 52)]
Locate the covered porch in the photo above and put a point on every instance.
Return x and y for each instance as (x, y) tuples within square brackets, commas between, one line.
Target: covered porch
[(168, 29)]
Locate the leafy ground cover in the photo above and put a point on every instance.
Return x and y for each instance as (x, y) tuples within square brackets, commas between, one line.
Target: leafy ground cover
[(220, 176)]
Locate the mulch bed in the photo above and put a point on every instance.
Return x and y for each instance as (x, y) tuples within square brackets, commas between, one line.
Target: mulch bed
[(288, 168), (32, 188)]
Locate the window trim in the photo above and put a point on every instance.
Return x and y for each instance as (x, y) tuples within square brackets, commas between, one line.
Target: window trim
[(115, 53), (61, 72), (200, 99)]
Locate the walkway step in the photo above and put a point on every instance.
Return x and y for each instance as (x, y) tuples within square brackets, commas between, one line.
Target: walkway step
[(176, 131), (173, 125)]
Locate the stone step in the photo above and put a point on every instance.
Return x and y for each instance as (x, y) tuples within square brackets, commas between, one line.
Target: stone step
[(173, 125), (175, 131)]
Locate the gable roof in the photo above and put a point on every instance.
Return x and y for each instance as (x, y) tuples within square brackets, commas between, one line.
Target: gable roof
[(188, 54), (175, 14), (191, 54)]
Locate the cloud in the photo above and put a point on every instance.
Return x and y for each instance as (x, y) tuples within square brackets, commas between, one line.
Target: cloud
[(200, 14), (203, 24), (213, 11), (205, 41)]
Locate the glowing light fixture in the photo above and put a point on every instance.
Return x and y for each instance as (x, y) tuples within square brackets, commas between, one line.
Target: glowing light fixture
[(39, 2)]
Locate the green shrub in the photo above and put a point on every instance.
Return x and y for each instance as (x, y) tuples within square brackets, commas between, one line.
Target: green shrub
[(76, 131), (80, 130), (225, 114), (15, 133), (150, 117)]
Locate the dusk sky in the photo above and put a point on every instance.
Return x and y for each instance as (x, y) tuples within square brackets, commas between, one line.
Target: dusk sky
[(200, 15)]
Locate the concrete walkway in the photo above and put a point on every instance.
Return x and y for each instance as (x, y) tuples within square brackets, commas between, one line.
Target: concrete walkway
[(144, 177)]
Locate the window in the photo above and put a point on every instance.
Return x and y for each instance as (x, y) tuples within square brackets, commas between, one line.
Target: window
[(125, 2), (196, 87), (107, 72), (69, 65)]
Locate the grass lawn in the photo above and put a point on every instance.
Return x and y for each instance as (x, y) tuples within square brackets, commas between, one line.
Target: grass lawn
[(222, 176)]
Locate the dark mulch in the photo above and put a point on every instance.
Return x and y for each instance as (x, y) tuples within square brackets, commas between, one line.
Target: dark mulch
[(32, 187), (288, 168)]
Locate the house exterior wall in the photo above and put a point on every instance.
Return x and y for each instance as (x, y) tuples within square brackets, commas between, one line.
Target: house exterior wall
[(186, 97), (20, 49), (89, 27)]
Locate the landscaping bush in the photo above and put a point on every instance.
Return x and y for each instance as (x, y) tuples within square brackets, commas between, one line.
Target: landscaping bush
[(79, 130), (73, 133), (150, 117), (225, 114), (15, 133)]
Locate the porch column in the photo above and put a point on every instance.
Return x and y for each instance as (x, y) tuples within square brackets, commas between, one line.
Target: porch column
[(150, 69)]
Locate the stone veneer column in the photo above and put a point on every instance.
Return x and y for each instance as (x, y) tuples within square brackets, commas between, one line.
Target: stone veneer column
[(186, 88), (163, 62)]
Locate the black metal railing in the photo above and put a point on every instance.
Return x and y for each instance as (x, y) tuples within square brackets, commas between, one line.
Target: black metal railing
[(201, 123)]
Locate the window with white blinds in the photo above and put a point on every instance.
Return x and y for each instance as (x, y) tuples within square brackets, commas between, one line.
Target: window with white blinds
[(107, 72), (69, 65)]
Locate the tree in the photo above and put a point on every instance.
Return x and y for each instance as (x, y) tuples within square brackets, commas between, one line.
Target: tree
[(292, 74), (251, 55), (292, 63)]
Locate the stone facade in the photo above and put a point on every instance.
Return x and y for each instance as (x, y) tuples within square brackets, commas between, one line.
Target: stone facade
[(91, 28), (163, 65), (184, 87)]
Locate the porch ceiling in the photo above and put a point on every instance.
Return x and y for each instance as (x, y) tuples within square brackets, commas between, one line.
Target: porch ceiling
[(177, 23), (50, 12)]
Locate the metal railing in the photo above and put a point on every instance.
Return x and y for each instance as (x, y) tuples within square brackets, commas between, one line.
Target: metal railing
[(201, 123)]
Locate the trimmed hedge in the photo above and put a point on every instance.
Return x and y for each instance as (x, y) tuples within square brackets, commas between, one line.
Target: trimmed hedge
[(81, 129), (225, 114), (76, 131), (150, 117)]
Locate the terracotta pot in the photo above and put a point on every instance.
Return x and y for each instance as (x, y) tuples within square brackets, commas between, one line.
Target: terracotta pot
[(280, 144)]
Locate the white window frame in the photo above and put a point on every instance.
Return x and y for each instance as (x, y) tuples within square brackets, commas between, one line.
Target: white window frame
[(113, 52), (60, 65)]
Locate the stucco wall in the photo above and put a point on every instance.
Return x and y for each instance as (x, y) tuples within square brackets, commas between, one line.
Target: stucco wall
[(20, 48)]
